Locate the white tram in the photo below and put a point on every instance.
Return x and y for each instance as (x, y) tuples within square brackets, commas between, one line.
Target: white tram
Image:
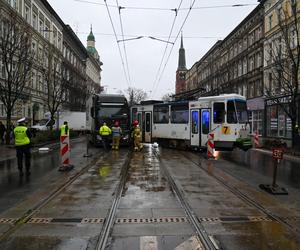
[(188, 123)]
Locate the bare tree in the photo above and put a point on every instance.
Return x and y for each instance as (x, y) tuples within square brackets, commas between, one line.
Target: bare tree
[(16, 58), (55, 81), (168, 97), (284, 57), (135, 95)]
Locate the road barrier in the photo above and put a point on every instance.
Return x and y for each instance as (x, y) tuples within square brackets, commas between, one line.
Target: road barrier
[(210, 146), (256, 140), (65, 153)]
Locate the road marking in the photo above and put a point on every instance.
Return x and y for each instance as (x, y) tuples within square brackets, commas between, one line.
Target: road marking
[(148, 243), (192, 243)]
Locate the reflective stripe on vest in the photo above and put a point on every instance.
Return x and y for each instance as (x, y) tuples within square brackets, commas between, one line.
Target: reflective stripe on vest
[(63, 131), (21, 137), (116, 131), (104, 130)]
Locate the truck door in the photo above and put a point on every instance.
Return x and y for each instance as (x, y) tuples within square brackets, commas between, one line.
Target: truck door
[(148, 127), (205, 126), (195, 137)]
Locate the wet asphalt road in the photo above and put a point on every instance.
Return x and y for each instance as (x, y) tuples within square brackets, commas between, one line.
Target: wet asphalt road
[(149, 216), (261, 162)]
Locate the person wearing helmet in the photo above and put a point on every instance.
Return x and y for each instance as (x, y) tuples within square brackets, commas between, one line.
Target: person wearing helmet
[(105, 131), (137, 138), (22, 137), (116, 134)]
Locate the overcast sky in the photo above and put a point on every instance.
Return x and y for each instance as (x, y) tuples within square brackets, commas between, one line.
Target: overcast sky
[(203, 27)]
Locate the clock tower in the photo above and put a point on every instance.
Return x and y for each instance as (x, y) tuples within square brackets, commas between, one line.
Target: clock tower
[(181, 70)]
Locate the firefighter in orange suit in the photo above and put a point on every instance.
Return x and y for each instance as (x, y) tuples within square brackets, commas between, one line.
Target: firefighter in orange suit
[(137, 138)]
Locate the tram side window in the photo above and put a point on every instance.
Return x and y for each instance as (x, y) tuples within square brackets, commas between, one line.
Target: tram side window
[(205, 122), (180, 114), (161, 114), (219, 112), (231, 113)]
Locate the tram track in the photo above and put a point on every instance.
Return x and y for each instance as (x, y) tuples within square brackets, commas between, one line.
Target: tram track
[(110, 218), (206, 240), (28, 215), (244, 197)]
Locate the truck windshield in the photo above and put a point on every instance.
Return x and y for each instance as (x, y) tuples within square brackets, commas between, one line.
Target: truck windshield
[(112, 111)]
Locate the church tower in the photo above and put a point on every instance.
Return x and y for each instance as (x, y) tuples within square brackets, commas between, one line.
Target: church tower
[(91, 45), (181, 70)]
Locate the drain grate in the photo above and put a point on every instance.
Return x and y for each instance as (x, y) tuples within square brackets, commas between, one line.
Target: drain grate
[(7, 220), (92, 220), (171, 219), (151, 220), (40, 220)]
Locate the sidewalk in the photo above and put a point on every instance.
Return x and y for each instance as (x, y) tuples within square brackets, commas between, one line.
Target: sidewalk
[(293, 158)]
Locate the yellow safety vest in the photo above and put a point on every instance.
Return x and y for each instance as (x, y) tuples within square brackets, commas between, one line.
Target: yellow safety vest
[(104, 130), (63, 131), (21, 137)]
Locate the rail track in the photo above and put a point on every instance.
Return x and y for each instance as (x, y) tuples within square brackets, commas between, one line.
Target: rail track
[(244, 197), (29, 214)]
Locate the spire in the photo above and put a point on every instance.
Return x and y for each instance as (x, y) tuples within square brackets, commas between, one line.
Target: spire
[(181, 59), (91, 35)]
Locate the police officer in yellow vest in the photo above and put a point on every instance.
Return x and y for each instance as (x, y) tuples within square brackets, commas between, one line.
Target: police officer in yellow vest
[(64, 129), (105, 131), (22, 142)]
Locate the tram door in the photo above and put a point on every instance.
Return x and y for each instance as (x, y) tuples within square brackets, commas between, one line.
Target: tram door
[(147, 128), (205, 126), (195, 136)]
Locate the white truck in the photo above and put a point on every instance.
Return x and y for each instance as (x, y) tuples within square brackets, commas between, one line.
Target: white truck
[(76, 121)]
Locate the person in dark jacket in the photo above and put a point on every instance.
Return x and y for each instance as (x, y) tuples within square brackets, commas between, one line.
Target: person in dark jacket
[(22, 137)]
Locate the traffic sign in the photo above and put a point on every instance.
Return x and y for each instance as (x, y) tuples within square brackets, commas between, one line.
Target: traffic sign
[(277, 154)]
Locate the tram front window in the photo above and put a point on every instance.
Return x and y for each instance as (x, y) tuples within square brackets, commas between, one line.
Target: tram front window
[(241, 111)]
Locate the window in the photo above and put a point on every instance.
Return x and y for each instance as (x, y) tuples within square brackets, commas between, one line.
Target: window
[(161, 114), (27, 13), (180, 114), (270, 21), (219, 112), (34, 20), (241, 111), (195, 122), (205, 122), (231, 115), (148, 122), (47, 29), (255, 120)]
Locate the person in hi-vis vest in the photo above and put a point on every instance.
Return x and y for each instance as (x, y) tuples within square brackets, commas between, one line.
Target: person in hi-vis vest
[(22, 137), (64, 129), (105, 132)]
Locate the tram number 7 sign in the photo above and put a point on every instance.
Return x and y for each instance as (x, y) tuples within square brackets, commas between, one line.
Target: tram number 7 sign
[(226, 130), (277, 154)]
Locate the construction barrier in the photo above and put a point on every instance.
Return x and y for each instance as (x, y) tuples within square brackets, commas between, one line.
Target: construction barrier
[(256, 140), (65, 153), (210, 146)]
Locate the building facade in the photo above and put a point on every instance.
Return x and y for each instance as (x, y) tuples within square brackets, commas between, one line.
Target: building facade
[(52, 43)]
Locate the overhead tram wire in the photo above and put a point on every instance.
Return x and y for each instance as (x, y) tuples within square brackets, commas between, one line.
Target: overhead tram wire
[(168, 9), (165, 50), (191, 7), (124, 47), (115, 33)]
